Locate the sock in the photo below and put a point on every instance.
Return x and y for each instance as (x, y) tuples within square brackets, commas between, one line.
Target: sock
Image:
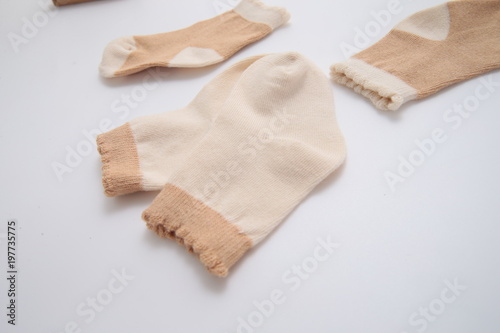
[(273, 141), (425, 53), (202, 44), (140, 155), (67, 2)]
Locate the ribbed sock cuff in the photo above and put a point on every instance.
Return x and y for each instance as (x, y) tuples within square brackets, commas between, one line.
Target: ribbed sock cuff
[(203, 231), (386, 91), (256, 11), (120, 163)]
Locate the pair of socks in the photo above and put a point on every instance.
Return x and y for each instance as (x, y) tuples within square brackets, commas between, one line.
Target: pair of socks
[(425, 53), (202, 44), (233, 163)]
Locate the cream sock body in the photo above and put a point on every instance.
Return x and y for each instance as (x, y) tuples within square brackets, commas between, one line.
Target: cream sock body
[(141, 155), (274, 140)]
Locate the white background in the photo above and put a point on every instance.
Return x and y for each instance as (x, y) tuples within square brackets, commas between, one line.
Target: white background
[(397, 249)]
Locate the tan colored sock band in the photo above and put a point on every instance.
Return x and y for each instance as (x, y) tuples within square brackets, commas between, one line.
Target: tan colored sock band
[(68, 2), (204, 232), (120, 163)]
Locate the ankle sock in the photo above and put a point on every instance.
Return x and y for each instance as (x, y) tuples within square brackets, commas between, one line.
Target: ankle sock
[(425, 53), (202, 44), (273, 141), (141, 154)]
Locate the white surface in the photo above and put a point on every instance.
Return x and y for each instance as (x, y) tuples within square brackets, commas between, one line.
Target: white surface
[(396, 251)]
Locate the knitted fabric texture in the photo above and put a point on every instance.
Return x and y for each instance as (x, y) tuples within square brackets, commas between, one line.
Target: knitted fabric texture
[(142, 154), (425, 53), (273, 141), (202, 44)]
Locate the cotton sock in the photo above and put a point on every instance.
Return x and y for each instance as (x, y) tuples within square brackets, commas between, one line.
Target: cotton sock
[(425, 53), (140, 155), (202, 44), (273, 141)]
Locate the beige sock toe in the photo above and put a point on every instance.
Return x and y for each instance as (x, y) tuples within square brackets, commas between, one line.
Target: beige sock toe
[(115, 55)]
